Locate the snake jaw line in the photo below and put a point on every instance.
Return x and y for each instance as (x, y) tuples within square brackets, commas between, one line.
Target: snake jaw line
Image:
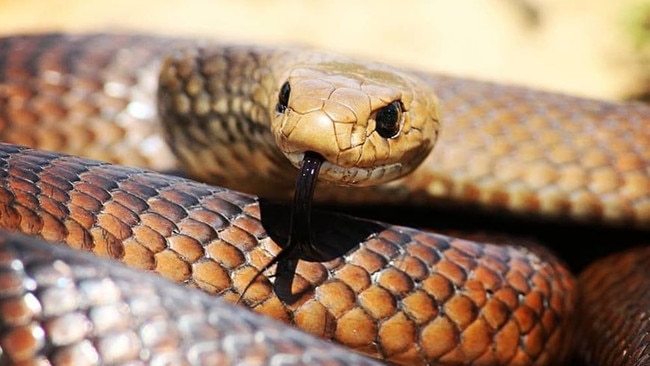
[(352, 176)]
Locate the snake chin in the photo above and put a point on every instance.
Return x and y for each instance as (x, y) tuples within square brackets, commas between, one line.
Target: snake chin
[(352, 176)]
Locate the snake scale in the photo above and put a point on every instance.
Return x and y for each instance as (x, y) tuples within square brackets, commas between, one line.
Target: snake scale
[(399, 294)]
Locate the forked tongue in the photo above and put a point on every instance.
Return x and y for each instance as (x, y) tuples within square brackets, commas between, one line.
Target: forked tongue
[(299, 242)]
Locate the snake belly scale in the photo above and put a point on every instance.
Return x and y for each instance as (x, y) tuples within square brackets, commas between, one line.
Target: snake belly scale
[(401, 294)]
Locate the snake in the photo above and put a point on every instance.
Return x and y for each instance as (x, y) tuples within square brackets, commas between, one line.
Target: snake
[(91, 124)]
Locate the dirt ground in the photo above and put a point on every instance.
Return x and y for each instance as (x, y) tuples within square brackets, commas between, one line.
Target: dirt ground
[(586, 47)]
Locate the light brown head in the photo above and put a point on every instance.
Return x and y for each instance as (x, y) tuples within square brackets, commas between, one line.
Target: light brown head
[(371, 123)]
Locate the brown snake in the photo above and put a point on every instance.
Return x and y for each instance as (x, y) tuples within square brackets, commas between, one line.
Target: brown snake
[(392, 292)]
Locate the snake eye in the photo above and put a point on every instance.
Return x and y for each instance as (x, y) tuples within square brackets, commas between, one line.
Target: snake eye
[(283, 98), (388, 120)]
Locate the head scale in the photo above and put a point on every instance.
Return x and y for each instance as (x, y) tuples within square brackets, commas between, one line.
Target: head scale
[(372, 123)]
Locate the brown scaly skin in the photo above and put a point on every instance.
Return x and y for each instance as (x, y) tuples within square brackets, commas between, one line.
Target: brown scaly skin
[(65, 307), (403, 295), (613, 301), (42, 105), (219, 108), (500, 147), (98, 104)]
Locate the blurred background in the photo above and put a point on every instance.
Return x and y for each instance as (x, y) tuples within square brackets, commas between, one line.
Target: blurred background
[(596, 48)]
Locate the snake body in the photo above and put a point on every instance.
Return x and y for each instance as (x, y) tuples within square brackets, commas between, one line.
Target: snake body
[(403, 295), (627, 323), (64, 308)]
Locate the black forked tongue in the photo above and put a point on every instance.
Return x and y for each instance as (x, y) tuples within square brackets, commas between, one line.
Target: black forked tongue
[(299, 244)]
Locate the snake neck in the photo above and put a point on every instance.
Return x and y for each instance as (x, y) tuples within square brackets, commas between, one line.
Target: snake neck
[(216, 112)]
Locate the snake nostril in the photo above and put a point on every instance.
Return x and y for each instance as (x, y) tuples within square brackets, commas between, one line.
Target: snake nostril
[(388, 120), (283, 98)]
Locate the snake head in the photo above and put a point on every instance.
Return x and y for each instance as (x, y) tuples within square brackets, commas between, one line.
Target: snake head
[(371, 123)]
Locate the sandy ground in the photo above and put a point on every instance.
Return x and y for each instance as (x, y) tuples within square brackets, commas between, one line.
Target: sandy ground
[(580, 47)]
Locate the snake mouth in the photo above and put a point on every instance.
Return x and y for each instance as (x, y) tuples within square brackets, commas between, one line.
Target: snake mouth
[(350, 176)]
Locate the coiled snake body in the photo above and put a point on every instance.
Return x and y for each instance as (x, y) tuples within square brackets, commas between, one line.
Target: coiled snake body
[(392, 292)]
